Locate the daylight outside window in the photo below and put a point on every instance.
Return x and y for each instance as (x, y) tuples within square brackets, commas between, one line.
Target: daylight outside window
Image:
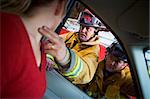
[(147, 59)]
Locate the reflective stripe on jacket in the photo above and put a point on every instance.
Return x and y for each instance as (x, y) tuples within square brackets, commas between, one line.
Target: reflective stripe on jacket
[(84, 60)]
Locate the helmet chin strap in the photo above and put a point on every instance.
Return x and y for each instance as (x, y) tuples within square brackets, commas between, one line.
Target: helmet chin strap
[(91, 38)]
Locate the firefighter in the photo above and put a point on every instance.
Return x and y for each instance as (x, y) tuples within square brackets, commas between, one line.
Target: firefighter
[(112, 79), (81, 61)]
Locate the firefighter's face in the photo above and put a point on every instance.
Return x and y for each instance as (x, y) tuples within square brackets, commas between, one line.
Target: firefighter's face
[(113, 64), (86, 33)]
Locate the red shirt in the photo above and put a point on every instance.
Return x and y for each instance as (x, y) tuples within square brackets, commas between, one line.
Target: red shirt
[(21, 77)]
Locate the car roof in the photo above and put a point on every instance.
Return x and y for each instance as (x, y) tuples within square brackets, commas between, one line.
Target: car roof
[(127, 18)]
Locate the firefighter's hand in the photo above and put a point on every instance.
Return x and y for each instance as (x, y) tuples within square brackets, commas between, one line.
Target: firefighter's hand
[(54, 45)]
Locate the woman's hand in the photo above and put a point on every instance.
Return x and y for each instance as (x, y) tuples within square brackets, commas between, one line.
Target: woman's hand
[(54, 45)]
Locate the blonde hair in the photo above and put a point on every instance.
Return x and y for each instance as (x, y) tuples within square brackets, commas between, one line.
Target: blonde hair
[(21, 6), (15, 6)]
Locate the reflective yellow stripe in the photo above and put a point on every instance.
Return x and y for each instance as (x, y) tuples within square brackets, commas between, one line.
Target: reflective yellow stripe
[(76, 69), (78, 72), (50, 57)]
